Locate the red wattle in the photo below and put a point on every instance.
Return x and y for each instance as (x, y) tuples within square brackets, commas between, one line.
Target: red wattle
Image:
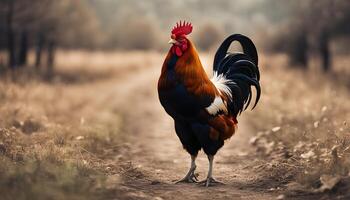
[(178, 51)]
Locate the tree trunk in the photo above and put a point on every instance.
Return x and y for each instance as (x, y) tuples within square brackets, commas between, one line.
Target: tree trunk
[(303, 59), (11, 36), (50, 58), (299, 50), (23, 52), (38, 49), (324, 51)]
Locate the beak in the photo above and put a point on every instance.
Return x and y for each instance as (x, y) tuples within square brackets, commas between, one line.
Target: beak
[(172, 41)]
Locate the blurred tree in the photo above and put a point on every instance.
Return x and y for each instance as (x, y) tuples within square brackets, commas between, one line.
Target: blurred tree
[(336, 16), (291, 30), (24, 24), (45, 25), (50, 57), (324, 48), (10, 33), (39, 45), (320, 20), (295, 44), (23, 53), (299, 48), (207, 36)]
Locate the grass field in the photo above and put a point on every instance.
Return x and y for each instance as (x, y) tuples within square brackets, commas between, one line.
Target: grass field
[(63, 139), (302, 125)]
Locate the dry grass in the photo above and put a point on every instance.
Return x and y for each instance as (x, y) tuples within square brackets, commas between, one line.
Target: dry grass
[(45, 152), (303, 124), (54, 135)]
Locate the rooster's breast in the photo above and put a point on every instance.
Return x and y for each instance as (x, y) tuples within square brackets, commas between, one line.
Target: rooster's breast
[(178, 102)]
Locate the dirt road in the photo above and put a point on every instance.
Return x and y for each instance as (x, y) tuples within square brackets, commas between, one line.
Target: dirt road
[(151, 157)]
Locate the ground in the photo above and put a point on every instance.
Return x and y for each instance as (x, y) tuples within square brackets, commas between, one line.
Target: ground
[(97, 131)]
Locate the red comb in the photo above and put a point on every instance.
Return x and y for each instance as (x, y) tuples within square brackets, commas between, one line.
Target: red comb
[(184, 28)]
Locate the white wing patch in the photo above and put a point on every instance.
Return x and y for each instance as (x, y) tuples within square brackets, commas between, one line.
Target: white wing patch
[(217, 106), (220, 82)]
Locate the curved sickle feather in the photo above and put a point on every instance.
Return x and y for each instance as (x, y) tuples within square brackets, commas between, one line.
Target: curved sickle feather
[(251, 81)]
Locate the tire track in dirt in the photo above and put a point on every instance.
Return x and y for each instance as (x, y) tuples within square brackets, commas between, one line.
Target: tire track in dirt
[(153, 157)]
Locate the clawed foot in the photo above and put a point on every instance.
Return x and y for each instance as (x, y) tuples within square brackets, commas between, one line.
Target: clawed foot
[(189, 178), (209, 182)]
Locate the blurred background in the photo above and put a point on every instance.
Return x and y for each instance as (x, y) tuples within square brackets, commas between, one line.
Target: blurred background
[(80, 116), (301, 29)]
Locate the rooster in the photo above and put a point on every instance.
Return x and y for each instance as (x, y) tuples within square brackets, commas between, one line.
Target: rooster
[(205, 110)]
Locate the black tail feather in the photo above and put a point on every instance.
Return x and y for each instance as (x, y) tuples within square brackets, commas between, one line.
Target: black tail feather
[(241, 69), (247, 45)]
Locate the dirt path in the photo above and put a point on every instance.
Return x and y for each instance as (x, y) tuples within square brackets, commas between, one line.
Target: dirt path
[(152, 157)]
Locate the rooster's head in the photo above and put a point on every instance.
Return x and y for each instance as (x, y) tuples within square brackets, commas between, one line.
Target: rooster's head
[(178, 37)]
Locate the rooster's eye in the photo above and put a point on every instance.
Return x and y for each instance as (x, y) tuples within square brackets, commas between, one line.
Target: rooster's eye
[(173, 36)]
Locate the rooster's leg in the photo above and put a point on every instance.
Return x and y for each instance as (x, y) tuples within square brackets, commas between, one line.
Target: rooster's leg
[(210, 180), (190, 176)]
